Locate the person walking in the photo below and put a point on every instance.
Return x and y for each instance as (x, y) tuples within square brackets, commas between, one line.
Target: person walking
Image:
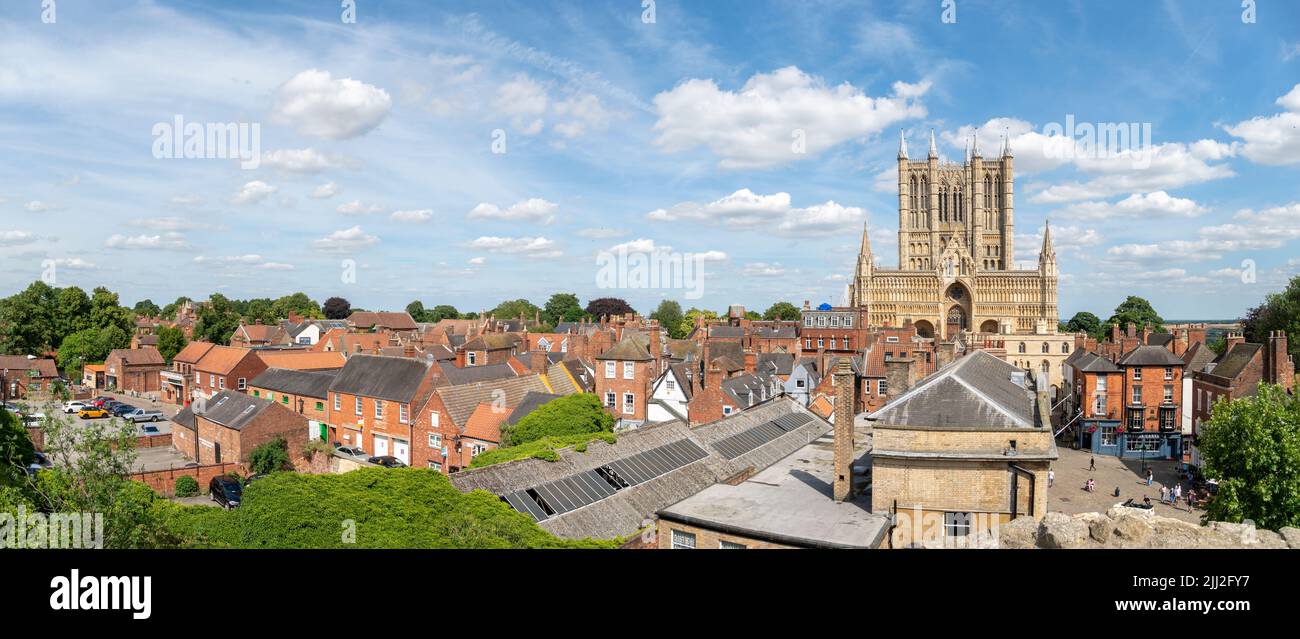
[(1051, 477), (1164, 495), (1150, 476), (1092, 463)]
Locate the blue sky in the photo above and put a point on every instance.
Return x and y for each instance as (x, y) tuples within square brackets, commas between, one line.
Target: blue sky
[(377, 136)]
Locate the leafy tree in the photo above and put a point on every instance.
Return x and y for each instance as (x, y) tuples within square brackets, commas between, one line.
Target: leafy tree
[(27, 324), (470, 315), (16, 450), (1084, 322), (171, 340), (337, 308), (169, 311), (416, 311), (270, 457), (146, 308), (89, 346), (783, 311), (1252, 447), (105, 311), (1137, 311), (610, 306), (688, 322), (514, 309), (71, 312), (545, 449), (562, 307), (1279, 312), (297, 303), (442, 312), (217, 320), (261, 310), (669, 316), (568, 415)]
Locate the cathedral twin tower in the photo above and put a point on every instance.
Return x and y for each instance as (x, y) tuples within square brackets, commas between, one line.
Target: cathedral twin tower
[(956, 253)]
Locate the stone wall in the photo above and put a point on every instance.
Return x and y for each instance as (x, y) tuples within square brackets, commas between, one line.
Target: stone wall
[(1122, 527)]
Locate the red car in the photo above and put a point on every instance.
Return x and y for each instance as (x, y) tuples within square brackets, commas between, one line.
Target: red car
[(99, 402)]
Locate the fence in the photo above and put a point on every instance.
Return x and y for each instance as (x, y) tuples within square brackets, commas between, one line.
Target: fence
[(164, 481)]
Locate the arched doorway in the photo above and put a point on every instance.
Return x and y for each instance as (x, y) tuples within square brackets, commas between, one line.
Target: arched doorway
[(955, 321), (924, 329), (989, 326)]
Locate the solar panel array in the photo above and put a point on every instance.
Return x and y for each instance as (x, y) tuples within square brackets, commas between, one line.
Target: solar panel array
[(587, 487), (751, 438)]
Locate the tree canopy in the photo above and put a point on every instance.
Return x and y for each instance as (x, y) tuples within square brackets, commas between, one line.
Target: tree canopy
[(336, 308), (270, 457), (1084, 322), (783, 311), (1137, 311), (146, 308), (171, 340), (1252, 447), (89, 346), (669, 316), (608, 306), (562, 307), (1278, 312), (217, 320), (514, 309), (569, 415)]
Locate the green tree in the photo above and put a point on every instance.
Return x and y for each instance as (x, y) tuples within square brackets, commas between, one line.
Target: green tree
[(442, 312), (688, 322), (669, 316), (416, 311), (297, 303), (611, 306), (1085, 322), (105, 311), (270, 457), (186, 486), (171, 340), (89, 346), (1137, 311), (1279, 312), (16, 450), (146, 308), (336, 308), (783, 311), (569, 415), (169, 311), (261, 310), (562, 307), (71, 312), (27, 324), (514, 309), (217, 320), (1252, 447)]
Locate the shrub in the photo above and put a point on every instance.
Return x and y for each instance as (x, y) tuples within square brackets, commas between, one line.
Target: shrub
[(186, 486), (568, 415), (270, 457), (543, 449)]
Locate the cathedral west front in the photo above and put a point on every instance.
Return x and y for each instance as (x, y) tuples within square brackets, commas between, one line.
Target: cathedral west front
[(956, 250)]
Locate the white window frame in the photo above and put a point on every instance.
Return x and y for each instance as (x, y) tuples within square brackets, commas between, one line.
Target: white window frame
[(682, 540), (360, 407), (379, 409), (629, 403), (434, 418), (403, 413), (243, 384), (471, 358), (338, 402), (611, 399), (610, 369), (629, 370), (435, 441)]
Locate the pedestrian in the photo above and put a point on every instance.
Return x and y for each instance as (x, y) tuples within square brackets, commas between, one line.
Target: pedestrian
[(1150, 476), (1117, 491), (1164, 495), (1051, 477), (1092, 463)]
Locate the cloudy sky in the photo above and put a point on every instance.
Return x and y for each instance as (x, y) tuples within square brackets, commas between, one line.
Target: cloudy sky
[(471, 152)]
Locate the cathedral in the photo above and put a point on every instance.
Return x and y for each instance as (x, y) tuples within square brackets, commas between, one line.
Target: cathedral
[(956, 252)]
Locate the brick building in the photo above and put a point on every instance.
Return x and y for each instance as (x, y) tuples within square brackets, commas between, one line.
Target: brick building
[(27, 377), (178, 383), (443, 437), (373, 400), (303, 392), (222, 368), (229, 425), (134, 370), (624, 375), (1237, 374), (1153, 398)]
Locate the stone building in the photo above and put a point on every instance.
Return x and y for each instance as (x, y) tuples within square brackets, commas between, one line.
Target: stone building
[(956, 246), (966, 450)]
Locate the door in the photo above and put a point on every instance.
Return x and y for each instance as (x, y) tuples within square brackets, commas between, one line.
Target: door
[(402, 451), (381, 446)]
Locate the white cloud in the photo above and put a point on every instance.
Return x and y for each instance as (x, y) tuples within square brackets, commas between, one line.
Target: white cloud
[(275, 266), (601, 233), (746, 209), (325, 191), (584, 112), (230, 259), (1273, 139), (186, 200), (478, 261), (14, 238), (1253, 230), (37, 206), (756, 127), (74, 264), (1167, 166), (1136, 206), (420, 216), (253, 192), (532, 210), (535, 247), (166, 241), (762, 269), (316, 104), (525, 100), (170, 223), (357, 207), (344, 240), (307, 160)]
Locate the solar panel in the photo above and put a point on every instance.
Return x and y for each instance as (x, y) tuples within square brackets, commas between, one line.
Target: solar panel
[(581, 489), (755, 436)]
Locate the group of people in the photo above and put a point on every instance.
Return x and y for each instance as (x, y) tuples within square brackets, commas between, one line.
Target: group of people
[(1173, 495), (1168, 496)]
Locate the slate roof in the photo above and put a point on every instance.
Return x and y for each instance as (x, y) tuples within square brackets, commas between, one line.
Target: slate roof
[(1077, 355), (725, 331), (470, 374), (1236, 360), (732, 350), (492, 342), (627, 349), (1148, 355), (388, 378), (1093, 363), (685, 375), (460, 401), (975, 392), (295, 382), (1198, 356), (146, 356), (234, 409), (781, 332), (680, 349), (775, 363), (624, 512), (532, 401), (1160, 339), (558, 376), (581, 373), (748, 389)]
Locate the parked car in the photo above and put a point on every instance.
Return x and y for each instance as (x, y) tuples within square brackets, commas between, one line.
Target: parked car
[(226, 491), (387, 461), (13, 408), (143, 415), (33, 419), (121, 410), (74, 406), (354, 451), (41, 462), (92, 413), (99, 402)]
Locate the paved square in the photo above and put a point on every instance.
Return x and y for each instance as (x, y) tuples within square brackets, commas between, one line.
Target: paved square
[(1067, 494)]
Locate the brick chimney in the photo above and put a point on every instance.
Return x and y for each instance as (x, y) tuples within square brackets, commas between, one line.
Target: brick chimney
[(1233, 338), (751, 361), (460, 358), (1146, 334), (1114, 333), (408, 350), (1131, 330), (843, 430), (537, 362), (1278, 367)]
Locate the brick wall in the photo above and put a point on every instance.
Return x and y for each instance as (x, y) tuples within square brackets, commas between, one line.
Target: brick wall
[(164, 481), (706, 539)]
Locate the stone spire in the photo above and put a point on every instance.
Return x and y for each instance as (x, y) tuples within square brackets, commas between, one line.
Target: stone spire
[(934, 151), (902, 145), (866, 241), (975, 149), (967, 151), (1047, 255), (1006, 144), (1047, 239)]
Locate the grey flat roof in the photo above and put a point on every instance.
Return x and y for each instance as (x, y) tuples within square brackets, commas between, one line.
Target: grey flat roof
[(790, 502)]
